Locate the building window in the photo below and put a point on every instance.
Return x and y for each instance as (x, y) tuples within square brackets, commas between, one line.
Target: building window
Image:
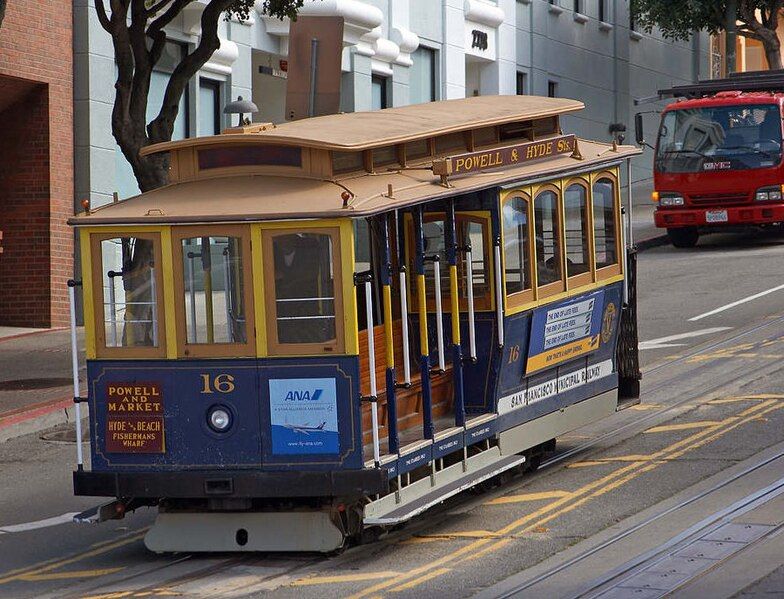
[(209, 107), (603, 11), (378, 92), (552, 89), (632, 18), (521, 83), (423, 76), (578, 6)]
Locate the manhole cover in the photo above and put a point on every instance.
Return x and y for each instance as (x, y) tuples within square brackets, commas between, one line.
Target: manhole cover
[(28, 384)]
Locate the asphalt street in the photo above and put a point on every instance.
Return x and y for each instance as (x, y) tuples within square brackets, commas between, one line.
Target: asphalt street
[(713, 396)]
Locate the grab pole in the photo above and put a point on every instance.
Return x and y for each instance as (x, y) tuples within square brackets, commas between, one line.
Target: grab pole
[(154, 311), (192, 286), (471, 318), (499, 296), (439, 314), (404, 327), (372, 365), (428, 430), (227, 293), (386, 288), (113, 306), (454, 300), (75, 371)]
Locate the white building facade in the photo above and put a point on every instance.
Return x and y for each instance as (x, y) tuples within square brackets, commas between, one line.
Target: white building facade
[(395, 52)]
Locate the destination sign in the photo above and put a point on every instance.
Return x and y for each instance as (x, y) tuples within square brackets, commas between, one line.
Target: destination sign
[(134, 422), (505, 157)]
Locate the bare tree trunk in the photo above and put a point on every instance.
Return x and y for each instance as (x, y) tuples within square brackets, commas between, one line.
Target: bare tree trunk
[(773, 52)]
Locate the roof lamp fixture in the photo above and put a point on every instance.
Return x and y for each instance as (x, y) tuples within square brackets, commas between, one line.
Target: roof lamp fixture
[(241, 107)]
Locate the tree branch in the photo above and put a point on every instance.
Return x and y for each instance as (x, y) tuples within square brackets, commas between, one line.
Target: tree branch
[(155, 30), (103, 18)]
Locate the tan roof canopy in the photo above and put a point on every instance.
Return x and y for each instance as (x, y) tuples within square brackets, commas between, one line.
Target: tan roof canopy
[(363, 130)]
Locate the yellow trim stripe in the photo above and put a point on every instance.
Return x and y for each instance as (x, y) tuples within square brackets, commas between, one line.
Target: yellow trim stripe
[(425, 350), (390, 348), (257, 253), (168, 293), (87, 295), (455, 301)]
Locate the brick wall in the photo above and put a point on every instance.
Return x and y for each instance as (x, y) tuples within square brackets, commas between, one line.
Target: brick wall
[(36, 161)]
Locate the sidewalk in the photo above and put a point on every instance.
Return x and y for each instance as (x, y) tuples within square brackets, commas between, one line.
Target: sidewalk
[(36, 388)]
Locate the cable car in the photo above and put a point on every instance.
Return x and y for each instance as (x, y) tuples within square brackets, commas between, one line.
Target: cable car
[(331, 325)]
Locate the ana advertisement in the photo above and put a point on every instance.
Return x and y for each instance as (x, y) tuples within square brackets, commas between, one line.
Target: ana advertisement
[(565, 331), (304, 416)]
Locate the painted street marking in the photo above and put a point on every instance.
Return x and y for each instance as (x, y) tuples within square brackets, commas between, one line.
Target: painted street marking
[(645, 406), (71, 574), (54, 521), (528, 497), (662, 342), (304, 582), (597, 487), (737, 303), (684, 426)]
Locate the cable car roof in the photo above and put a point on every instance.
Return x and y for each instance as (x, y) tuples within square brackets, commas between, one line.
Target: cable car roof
[(364, 130), (248, 198)]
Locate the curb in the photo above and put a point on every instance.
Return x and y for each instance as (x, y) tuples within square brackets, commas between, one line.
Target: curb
[(30, 334), (652, 242), (36, 418)]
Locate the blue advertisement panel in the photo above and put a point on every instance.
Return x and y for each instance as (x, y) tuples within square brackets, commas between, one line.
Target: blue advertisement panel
[(304, 416), (565, 331)]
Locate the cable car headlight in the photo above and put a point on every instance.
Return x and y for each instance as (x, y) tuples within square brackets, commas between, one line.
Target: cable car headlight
[(219, 418), (766, 194), (670, 199)]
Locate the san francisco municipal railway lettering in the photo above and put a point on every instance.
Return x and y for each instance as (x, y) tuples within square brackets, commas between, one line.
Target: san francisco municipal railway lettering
[(134, 422), (505, 157)]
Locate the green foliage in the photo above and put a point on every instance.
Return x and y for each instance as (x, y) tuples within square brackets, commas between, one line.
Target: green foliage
[(275, 8), (678, 20)]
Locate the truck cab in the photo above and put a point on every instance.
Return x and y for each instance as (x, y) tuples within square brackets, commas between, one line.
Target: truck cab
[(718, 161)]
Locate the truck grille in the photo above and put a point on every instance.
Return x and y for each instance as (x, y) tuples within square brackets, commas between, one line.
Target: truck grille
[(719, 199)]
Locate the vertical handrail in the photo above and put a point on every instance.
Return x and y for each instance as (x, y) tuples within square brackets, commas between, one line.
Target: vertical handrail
[(75, 372), (499, 296), (154, 306), (450, 240), (404, 326), (439, 314), (372, 365), (386, 282), (626, 230), (227, 294), (206, 261), (471, 314), (113, 307), (194, 337), (428, 429)]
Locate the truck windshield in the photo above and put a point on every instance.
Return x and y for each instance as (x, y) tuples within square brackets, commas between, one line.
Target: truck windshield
[(719, 138)]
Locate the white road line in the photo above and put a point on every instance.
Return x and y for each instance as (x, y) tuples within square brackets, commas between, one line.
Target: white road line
[(667, 341), (56, 520), (737, 303)]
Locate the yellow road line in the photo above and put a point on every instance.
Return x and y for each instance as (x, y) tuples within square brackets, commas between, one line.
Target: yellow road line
[(593, 489), (613, 460), (417, 581), (304, 582), (70, 574), (53, 564), (684, 426), (645, 406), (528, 497)]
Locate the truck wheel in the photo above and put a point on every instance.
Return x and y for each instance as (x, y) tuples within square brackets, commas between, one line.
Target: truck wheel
[(685, 237)]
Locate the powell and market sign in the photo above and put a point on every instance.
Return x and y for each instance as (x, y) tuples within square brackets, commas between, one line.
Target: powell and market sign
[(506, 156)]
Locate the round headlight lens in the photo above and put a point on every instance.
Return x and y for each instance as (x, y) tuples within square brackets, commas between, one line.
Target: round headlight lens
[(219, 419)]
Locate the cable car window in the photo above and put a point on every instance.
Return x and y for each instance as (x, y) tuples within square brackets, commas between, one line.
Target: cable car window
[(128, 296), (605, 233), (214, 290), (302, 277), (577, 225), (517, 252), (346, 162), (548, 240)]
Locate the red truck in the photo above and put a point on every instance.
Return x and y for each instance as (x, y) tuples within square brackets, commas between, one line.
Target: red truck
[(718, 156)]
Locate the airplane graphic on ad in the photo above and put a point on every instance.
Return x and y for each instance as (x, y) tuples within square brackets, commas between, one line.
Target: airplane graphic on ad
[(305, 428)]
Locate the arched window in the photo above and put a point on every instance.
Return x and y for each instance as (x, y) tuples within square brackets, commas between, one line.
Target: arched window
[(605, 223), (517, 250), (577, 219), (548, 240)]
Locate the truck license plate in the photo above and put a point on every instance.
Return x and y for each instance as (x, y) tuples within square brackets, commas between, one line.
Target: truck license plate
[(716, 216)]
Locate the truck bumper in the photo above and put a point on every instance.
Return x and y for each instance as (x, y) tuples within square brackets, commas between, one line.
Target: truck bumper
[(751, 214), (232, 483)]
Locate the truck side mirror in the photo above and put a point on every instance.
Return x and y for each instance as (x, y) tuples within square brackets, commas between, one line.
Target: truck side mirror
[(639, 134)]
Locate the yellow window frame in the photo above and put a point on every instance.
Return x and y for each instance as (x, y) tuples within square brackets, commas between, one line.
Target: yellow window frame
[(526, 296), (224, 349), (586, 277), (347, 342), (617, 269), (556, 287)]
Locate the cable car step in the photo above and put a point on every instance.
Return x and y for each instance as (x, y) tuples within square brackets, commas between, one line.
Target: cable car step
[(423, 494)]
